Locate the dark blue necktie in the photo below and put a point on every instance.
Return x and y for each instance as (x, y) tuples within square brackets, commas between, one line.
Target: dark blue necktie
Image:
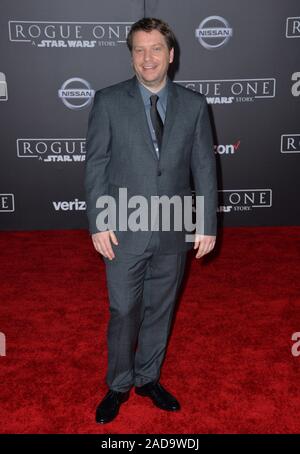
[(156, 120)]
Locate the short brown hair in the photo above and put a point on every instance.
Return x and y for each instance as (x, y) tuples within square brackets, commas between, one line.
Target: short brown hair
[(150, 23)]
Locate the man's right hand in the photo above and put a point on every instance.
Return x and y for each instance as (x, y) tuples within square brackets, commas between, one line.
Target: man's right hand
[(102, 243)]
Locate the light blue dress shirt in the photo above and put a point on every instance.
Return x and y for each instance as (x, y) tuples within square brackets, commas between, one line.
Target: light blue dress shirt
[(161, 107)]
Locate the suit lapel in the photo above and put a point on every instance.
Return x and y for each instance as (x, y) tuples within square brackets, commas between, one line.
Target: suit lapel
[(171, 112), (139, 117)]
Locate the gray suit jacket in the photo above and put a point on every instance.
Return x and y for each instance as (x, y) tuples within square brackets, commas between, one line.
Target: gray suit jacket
[(120, 153)]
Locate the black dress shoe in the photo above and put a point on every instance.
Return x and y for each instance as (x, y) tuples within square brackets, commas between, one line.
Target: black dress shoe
[(159, 396), (108, 408)]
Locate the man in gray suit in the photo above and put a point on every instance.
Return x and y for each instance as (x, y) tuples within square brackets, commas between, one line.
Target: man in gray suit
[(147, 136)]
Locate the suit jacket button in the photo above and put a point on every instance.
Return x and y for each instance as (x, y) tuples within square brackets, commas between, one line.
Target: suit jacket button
[(159, 173)]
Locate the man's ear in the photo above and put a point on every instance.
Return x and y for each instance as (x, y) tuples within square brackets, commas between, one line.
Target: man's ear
[(171, 58)]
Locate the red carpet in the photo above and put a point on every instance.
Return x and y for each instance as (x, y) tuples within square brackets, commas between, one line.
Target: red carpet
[(229, 360)]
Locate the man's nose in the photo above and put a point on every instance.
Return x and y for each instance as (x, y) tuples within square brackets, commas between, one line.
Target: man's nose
[(147, 55)]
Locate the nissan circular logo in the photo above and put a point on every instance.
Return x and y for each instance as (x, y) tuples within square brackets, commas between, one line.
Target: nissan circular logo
[(213, 32), (76, 93)]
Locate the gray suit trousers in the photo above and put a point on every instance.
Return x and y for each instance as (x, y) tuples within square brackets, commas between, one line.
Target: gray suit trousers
[(142, 296)]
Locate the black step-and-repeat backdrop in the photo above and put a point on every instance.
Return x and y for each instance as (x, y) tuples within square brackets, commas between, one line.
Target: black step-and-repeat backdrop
[(244, 56)]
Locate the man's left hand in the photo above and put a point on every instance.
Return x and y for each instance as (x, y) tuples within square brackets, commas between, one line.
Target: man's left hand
[(204, 244)]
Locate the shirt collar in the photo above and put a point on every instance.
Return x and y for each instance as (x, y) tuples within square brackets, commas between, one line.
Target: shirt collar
[(146, 93)]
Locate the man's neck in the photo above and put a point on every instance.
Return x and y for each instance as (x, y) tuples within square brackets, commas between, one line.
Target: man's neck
[(154, 89)]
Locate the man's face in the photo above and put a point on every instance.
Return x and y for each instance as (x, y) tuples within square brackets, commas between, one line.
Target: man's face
[(151, 57)]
